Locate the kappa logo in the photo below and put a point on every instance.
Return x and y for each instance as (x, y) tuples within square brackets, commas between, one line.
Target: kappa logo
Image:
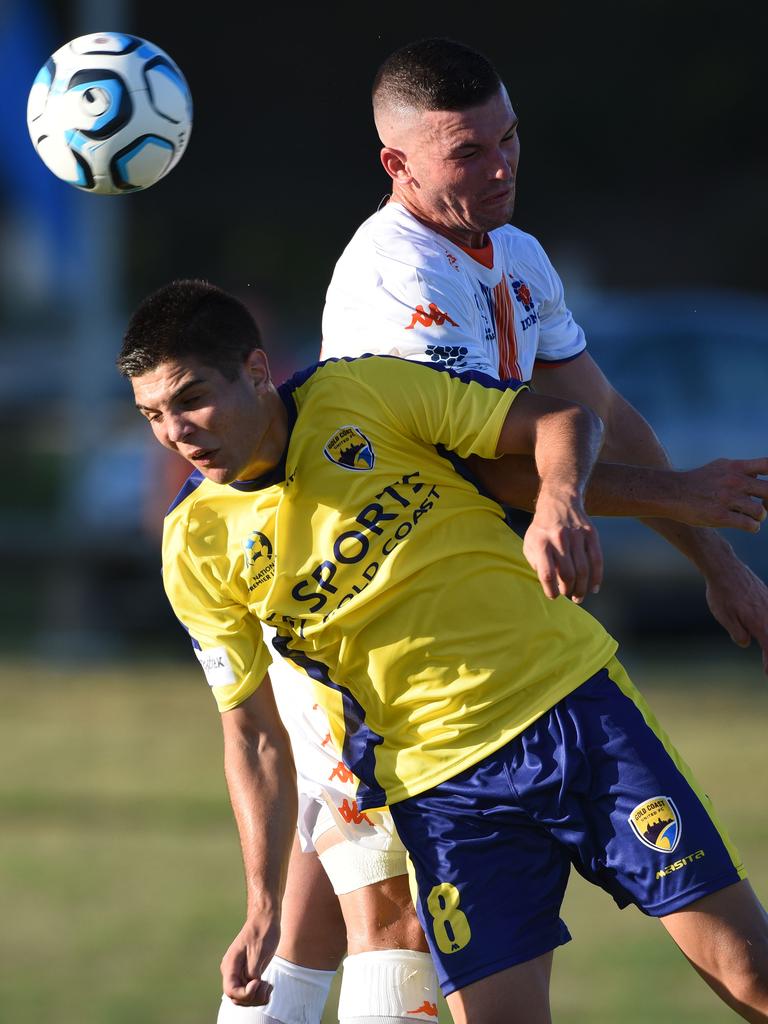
[(454, 263), (341, 772), (657, 824), (351, 814), (435, 316), (430, 1009), (350, 449)]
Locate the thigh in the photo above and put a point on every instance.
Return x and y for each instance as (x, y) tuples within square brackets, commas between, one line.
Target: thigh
[(723, 929), (516, 995), (599, 772), (490, 880), (313, 932)]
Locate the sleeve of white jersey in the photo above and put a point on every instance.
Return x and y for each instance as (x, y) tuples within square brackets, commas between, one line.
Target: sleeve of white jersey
[(560, 336), (226, 638), (417, 310)]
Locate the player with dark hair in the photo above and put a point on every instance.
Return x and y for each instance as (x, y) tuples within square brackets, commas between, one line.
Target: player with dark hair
[(182, 321), (484, 707)]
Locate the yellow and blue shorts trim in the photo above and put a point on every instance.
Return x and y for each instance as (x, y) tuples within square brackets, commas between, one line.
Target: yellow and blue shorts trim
[(593, 782)]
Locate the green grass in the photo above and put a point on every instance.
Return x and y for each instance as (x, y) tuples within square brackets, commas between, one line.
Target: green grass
[(120, 872)]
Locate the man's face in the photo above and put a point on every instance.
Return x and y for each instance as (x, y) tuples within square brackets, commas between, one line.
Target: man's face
[(462, 166), (228, 429)]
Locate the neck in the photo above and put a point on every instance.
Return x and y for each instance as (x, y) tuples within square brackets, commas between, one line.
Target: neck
[(272, 443), (466, 238)]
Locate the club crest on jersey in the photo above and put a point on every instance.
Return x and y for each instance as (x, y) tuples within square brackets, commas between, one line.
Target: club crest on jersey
[(522, 294), (656, 823), (350, 449)]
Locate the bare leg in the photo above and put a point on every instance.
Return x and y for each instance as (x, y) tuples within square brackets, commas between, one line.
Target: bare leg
[(312, 926), (516, 995), (380, 915), (725, 937)]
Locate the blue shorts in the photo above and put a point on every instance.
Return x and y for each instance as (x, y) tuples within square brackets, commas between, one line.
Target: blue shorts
[(593, 782)]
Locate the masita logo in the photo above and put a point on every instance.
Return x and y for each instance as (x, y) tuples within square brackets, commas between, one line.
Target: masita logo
[(350, 449), (657, 824)]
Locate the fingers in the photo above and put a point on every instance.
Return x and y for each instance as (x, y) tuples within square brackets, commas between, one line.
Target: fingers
[(727, 493), (755, 467), (254, 993), (571, 565)]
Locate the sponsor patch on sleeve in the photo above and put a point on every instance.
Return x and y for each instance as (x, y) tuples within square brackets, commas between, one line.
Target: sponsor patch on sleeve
[(216, 665)]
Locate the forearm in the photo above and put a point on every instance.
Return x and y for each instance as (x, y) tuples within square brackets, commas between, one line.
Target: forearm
[(613, 489), (261, 781), (565, 449), (631, 437)]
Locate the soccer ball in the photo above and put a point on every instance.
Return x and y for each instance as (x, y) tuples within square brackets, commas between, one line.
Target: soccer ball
[(109, 113)]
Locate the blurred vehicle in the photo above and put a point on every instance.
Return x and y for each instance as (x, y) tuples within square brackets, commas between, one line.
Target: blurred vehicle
[(695, 364)]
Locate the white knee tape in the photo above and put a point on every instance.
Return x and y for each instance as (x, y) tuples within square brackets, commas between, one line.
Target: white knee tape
[(298, 994), (350, 866), (399, 983)]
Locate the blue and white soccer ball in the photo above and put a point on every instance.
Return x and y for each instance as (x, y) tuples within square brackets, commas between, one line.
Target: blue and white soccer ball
[(110, 113)]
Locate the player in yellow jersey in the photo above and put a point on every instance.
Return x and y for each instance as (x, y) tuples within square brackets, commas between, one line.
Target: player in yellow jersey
[(485, 708), (438, 275)]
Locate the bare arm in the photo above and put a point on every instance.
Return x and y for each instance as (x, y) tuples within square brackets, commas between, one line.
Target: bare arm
[(726, 492), (262, 786), (561, 544), (736, 597)]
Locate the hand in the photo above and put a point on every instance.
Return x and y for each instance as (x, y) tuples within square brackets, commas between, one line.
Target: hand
[(726, 492), (246, 959), (562, 545), (738, 599)]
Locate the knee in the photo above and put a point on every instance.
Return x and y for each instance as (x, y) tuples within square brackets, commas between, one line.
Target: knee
[(382, 916)]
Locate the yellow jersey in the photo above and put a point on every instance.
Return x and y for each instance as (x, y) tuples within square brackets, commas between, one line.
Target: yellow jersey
[(390, 578)]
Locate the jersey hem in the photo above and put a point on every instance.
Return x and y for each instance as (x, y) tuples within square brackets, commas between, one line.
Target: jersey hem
[(559, 361)]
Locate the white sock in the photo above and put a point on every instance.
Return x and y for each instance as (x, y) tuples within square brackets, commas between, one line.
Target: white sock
[(298, 997), (387, 986)]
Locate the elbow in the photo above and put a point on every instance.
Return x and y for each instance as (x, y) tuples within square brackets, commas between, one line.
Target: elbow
[(592, 426)]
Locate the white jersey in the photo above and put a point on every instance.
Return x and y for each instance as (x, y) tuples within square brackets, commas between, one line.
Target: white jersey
[(400, 288)]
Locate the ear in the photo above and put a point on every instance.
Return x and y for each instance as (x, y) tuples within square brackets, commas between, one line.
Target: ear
[(395, 163), (257, 367)]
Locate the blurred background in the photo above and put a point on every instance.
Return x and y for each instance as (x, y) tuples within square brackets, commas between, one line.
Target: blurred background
[(643, 174)]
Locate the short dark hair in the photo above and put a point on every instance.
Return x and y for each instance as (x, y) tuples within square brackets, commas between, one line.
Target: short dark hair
[(435, 74), (189, 318)]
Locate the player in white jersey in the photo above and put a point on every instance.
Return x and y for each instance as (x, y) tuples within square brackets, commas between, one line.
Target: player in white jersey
[(438, 275), (400, 288)]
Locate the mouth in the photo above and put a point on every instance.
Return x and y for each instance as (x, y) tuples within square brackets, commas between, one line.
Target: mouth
[(202, 456), (500, 197)]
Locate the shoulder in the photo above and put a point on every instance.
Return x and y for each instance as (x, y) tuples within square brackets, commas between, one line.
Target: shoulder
[(195, 524), (520, 245), (393, 235)]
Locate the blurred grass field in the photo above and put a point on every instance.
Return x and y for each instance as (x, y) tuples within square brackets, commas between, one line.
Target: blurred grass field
[(120, 870)]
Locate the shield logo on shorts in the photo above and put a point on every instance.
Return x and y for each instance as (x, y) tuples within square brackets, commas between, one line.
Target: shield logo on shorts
[(350, 449), (656, 823)]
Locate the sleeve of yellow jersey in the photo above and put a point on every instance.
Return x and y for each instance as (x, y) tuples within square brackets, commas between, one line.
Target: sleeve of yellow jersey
[(462, 412), (227, 639)]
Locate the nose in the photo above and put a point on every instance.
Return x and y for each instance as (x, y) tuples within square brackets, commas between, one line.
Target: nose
[(178, 427), (506, 159)]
